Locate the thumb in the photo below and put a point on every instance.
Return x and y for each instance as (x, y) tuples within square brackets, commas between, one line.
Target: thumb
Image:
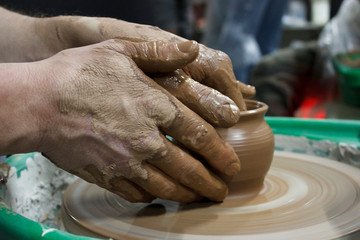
[(162, 56)]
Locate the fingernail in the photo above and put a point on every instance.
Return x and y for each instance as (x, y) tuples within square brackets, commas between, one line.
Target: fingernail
[(188, 46), (232, 169)]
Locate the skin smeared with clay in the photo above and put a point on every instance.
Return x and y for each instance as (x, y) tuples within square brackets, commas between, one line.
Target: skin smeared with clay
[(215, 107), (44, 37), (82, 133), (110, 121), (212, 68)]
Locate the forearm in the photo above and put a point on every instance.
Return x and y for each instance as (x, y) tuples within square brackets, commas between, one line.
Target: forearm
[(63, 32), (18, 39), (19, 109), (136, 32), (24, 38)]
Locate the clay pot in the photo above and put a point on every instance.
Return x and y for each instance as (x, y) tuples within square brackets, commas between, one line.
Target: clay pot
[(253, 141)]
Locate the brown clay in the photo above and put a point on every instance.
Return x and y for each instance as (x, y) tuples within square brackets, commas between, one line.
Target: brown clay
[(210, 104), (303, 197), (253, 142)]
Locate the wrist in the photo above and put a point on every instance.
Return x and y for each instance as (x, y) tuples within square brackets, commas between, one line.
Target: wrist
[(64, 32), (18, 39), (23, 109)]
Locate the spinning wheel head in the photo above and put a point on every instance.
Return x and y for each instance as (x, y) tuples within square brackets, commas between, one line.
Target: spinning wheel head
[(302, 196)]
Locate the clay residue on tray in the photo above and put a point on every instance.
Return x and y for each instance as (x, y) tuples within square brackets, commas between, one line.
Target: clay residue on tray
[(4, 172), (350, 59)]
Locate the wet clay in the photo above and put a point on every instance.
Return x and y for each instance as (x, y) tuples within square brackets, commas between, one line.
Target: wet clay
[(213, 106), (253, 142), (165, 57)]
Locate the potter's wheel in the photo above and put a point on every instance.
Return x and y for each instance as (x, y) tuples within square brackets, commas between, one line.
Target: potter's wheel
[(303, 197)]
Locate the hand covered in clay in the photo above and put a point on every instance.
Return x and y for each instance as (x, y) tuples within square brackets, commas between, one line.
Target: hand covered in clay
[(107, 122), (211, 68)]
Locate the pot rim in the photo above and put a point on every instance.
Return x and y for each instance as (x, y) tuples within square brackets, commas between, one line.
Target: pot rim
[(254, 107)]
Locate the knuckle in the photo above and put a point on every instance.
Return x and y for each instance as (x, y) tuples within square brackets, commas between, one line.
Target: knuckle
[(191, 174), (161, 153), (149, 142), (221, 56), (116, 46), (156, 49), (160, 108), (112, 41), (196, 135)]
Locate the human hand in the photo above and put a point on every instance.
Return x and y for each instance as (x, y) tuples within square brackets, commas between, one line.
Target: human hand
[(107, 123), (211, 68)]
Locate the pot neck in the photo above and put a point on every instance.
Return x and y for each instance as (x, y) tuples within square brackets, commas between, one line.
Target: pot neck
[(255, 109)]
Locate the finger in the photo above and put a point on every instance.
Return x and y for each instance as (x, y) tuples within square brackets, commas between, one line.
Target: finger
[(214, 69), (195, 133), (210, 104), (225, 82), (161, 56), (190, 172), (129, 191), (162, 186), (232, 89), (199, 136), (116, 184), (247, 91)]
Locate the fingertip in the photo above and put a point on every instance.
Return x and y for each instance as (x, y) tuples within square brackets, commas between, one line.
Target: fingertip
[(219, 190), (248, 91), (233, 165), (232, 169), (190, 46), (221, 197)]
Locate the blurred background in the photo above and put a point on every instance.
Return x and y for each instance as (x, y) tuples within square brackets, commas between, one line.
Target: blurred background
[(301, 55)]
